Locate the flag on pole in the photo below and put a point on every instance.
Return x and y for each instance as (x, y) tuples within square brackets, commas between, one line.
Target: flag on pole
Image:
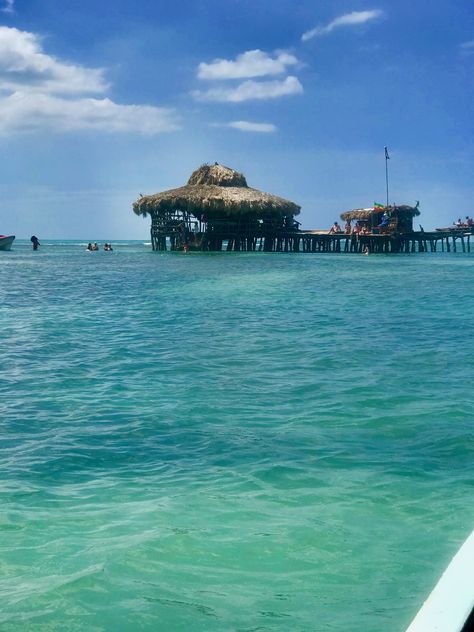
[(378, 206), (387, 157)]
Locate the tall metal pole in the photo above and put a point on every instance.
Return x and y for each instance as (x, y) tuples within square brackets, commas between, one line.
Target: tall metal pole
[(387, 158)]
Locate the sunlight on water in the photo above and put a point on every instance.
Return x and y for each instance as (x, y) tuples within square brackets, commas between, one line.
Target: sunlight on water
[(231, 442)]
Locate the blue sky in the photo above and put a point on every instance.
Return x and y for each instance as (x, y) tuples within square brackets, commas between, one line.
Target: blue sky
[(102, 101)]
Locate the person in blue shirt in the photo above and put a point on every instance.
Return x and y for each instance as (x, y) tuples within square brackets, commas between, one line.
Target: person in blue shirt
[(385, 220)]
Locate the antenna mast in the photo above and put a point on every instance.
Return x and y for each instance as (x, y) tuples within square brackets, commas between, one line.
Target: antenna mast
[(387, 158)]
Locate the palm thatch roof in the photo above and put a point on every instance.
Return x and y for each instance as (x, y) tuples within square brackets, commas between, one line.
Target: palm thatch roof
[(216, 190), (366, 213)]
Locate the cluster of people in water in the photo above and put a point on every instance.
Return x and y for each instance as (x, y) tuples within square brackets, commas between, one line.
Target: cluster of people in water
[(468, 223), (92, 247)]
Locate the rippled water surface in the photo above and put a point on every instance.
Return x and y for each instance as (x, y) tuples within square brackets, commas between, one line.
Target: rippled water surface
[(249, 442)]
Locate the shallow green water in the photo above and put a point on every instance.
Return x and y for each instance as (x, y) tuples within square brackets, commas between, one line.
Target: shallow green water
[(232, 441)]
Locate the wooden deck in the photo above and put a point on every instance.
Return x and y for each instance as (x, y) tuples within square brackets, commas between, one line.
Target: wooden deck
[(313, 241), (421, 241)]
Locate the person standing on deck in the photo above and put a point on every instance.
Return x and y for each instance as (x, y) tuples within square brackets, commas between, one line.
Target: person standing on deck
[(384, 222)]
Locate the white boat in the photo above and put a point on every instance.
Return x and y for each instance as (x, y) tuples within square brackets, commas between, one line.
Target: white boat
[(450, 607), (6, 241)]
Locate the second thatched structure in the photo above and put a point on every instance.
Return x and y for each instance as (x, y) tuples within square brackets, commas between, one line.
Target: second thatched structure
[(216, 207), (400, 218)]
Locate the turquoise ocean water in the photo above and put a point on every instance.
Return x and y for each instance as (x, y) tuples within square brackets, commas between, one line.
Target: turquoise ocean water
[(248, 442)]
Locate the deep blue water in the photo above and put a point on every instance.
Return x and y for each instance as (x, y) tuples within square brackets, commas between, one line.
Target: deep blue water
[(249, 442)]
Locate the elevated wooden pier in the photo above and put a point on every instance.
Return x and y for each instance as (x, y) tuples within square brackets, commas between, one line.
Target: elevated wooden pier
[(421, 241), (319, 241)]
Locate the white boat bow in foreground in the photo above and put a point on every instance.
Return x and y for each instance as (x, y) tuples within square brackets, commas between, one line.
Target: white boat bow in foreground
[(450, 606)]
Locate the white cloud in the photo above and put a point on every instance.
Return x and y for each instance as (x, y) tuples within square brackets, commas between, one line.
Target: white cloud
[(467, 48), (348, 19), (35, 111), (252, 63), (40, 92), (24, 65), (247, 126), (252, 91), (8, 6)]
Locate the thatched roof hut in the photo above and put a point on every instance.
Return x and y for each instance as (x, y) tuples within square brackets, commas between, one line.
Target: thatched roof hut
[(216, 191), (362, 214), (400, 217)]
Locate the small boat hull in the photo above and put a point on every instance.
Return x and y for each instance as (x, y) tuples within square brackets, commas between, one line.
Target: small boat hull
[(6, 241), (450, 606)]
